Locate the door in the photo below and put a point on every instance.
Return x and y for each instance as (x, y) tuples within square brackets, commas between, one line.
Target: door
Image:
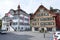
[(49, 29)]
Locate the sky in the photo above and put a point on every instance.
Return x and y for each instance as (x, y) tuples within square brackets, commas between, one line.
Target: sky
[(30, 6)]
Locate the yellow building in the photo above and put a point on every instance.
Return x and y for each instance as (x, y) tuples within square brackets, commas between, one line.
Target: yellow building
[(43, 19)]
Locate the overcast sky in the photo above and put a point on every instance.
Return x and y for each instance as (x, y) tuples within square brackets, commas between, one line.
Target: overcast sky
[(29, 6)]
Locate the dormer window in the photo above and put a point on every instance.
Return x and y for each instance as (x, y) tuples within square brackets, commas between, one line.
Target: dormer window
[(11, 11)]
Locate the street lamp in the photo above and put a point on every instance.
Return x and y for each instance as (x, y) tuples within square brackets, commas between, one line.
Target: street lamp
[(44, 30)]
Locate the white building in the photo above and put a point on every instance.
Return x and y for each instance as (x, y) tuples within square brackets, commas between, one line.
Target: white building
[(16, 20)]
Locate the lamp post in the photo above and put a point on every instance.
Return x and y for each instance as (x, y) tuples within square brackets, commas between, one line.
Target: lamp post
[(44, 30)]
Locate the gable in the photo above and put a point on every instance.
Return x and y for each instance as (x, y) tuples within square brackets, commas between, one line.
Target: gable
[(42, 11), (41, 7)]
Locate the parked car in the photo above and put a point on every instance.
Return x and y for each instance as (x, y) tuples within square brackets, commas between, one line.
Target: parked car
[(0, 31), (56, 35), (3, 31)]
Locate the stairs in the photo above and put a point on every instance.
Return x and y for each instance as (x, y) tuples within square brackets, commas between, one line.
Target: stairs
[(11, 28)]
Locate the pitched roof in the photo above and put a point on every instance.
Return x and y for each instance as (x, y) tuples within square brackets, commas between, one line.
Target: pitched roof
[(41, 6)]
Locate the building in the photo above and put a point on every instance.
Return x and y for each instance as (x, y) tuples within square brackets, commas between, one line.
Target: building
[(57, 18), (6, 23), (43, 19), (18, 20), (57, 21)]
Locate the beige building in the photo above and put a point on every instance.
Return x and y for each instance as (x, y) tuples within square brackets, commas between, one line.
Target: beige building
[(43, 19)]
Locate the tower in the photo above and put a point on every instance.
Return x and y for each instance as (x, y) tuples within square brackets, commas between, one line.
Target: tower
[(18, 18), (18, 7)]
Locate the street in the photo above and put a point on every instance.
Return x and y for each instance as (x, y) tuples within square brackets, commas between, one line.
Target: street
[(26, 36)]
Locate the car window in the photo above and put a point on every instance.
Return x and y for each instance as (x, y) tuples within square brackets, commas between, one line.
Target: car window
[(3, 30)]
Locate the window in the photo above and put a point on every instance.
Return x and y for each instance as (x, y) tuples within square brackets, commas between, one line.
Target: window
[(40, 14), (43, 19), (46, 19), (21, 18), (11, 11), (38, 23), (37, 19), (52, 23), (34, 23), (26, 23), (27, 19), (21, 27), (49, 29), (15, 17), (42, 24), (46, 14), (43, 14), (14, 23), (41, 10), (49, 23), (51, 18), (21, 23), (34, 20), (46, 23)]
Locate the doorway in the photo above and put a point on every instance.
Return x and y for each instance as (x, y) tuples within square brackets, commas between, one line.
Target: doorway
[(36, 29), (49, 29)]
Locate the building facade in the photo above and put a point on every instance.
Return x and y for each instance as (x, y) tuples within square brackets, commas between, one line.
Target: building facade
[(6, 23), (43, 19), (18, 19), (57, 21), (57, 18)]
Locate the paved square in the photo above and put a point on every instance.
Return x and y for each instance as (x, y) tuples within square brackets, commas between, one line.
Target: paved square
[(26, 36)]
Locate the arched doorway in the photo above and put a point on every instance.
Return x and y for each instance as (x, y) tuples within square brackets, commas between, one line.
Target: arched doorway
[(36, 28)]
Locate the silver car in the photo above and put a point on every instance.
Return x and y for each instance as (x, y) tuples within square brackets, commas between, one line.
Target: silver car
[(3, 31)]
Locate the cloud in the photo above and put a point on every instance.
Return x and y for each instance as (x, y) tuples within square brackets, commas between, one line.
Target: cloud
[(30, 6), (6, 5)]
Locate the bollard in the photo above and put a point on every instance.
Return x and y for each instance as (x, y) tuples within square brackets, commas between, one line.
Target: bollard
[(44, 35)]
